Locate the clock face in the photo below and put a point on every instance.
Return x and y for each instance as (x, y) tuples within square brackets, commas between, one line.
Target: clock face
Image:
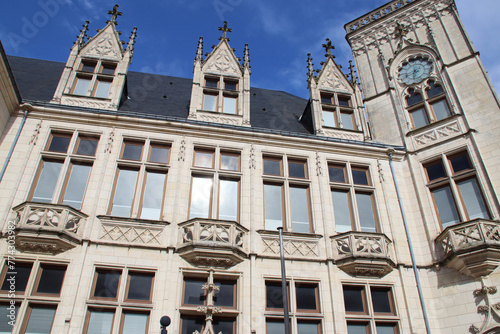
[(415, 71)]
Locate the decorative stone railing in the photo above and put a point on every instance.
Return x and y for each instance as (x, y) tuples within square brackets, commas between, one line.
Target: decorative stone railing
[(47, 228), (214, 243), (472, 247), (295, 245), (363, 253)]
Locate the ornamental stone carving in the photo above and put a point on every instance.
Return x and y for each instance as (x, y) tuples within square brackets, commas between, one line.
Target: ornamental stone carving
[(83, 102), (131, 231), (293, 247), (342, 134), (222, 62), (437, 134), (103, 47)]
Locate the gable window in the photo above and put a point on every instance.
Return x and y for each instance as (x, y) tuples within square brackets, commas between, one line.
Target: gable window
[(338, 111), (220, 94), (140, 180), (65, 169), (454, 187), (286, 194), (427, 105), (94, 78), (353, 198)]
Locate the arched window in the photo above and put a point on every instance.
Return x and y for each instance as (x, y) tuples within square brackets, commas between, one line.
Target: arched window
[(429, 107)]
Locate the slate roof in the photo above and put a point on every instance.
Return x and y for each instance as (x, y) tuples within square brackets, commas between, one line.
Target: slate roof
[(162, 95)]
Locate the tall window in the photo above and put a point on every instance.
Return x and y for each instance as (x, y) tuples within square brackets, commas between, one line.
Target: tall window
[(353, 198), (140, 180), (286, 194), (215, 185), (427, 105), (120, 298), (370, 309), (94, 78), (65, 169), (304, 307), (34, 288), (455, 190), (220, 94), (338, 111)]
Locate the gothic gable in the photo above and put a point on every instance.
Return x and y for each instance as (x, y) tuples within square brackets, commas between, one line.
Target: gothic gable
[(222, 61), (331, 78), (105, 45)]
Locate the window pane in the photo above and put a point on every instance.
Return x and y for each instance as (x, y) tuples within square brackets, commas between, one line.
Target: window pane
[(272, 166), (51, 280), (306, 296), (419, 118), (77, 183), (435, 171), (274, 295), (132, 151), (386, 328), (297, 169), (228, 199), (347, 122), (106, 285), (100, 322), (225, 295), (212, 83), (326, 99), (201, 193), (329, 118), (342, 211), (275, 327), (344, 101), (40, 320), (223, 326), (230, 85), (159, 154), (434, 90), (152, 199), (460, 163), (273, 207), (82, 86), (366, 213), (353, 299), (191, 324), (47, 181), (193, 292), (59, 143), (414, 98), (229, 105), (20, 279), (230, 162), (134, 323), (8, 314), (203, 159), (381, 300), (360, 176), (140, 286), (473, 200), (440, 109), (308, 328), (102, 89), (87, 146), (336, 174), (88, 67), (124, 193), (300, 209), (108, 69), (446, 206), (357, 328), (210, 102)]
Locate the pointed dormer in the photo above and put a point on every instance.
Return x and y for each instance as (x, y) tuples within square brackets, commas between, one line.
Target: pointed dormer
[(221, 85), (335, 102), (95, 73)]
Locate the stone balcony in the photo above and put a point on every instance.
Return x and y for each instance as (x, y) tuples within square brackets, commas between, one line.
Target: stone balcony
[(363, 253), (212, 243), (472, 247), (47, 228)]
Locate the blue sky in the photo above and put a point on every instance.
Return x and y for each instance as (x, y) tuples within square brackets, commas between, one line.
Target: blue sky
[(280, 33)]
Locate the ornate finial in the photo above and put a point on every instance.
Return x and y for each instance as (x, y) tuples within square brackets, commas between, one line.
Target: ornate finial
[(354, 78), (199, 51), (114, 14), (131, 42), (329, 47), (224, 30), (83, 33), (246, 57), (310, 68)]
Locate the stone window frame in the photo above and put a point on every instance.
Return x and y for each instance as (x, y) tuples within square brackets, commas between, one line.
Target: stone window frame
[(221, 92), (67, 160), (143, 166), (97, 75), (286, 183), (331, 103)]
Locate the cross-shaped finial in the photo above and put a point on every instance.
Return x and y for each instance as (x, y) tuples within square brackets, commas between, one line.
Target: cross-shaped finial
[(114, 14), (224, 30), (328, 47)]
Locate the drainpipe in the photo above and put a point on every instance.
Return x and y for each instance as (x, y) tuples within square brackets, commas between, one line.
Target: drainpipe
[(417, 277), (9, 155)]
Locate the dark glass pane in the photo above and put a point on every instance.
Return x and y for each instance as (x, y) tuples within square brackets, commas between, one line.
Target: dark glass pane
[(211, 83), (140, 286), (59, 143), (272, 167), (414, 98), (274, 296), (357, 328), (380, 300), (306, 297), (8, 312), (460, 163), (386, 328), (17, 277), (108, 69), (224, 326), (225, 295), (87, 146), (353, 299), (88, 67), (191, 324), (51, 280), (132, 151), (107, 284), (336, 174), (230, 85), (326, 99), (159, 154), (296, 169), (40, 320), (307, 327), (344, 101), (434, 90), (435, 171), (275, 327), (193, 292), (359, 177)]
